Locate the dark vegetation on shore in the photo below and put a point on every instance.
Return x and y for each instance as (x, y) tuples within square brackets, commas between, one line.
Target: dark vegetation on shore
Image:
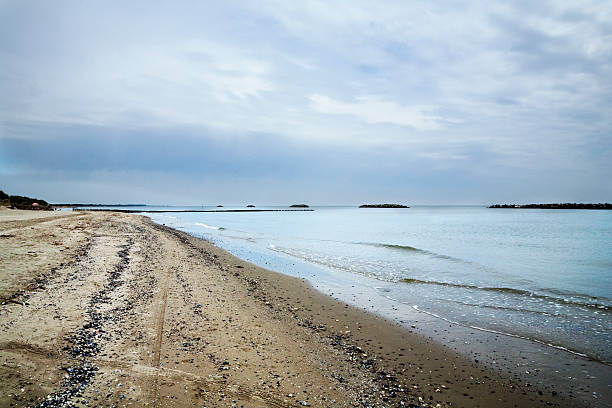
[(23, 203), (558, 206), (383, 206)]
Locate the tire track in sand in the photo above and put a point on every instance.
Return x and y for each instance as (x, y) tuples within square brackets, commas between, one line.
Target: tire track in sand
[(159, 335), (160, 322)]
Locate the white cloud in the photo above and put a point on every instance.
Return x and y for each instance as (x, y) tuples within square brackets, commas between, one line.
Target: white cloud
[(169, 84), (521, 85), (441, 155), (347, 74), (374, 110)]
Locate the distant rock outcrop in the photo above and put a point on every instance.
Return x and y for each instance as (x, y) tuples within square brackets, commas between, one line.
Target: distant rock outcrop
[(383, 206), (298, 206), (250, 206), (219, 206), (558, 206)]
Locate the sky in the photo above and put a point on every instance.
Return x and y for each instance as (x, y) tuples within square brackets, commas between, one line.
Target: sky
[(322, 102)]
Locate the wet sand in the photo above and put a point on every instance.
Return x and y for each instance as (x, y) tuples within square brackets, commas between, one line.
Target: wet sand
[(110, 309)]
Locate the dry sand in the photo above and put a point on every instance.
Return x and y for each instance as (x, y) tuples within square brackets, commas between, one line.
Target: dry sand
[(106, 309)]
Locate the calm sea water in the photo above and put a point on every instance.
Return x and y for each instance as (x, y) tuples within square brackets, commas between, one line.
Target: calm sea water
[(544, 275)]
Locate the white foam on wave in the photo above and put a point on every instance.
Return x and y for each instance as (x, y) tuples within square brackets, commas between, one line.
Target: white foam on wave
[(331, 262), (208, 226), (161, 216)]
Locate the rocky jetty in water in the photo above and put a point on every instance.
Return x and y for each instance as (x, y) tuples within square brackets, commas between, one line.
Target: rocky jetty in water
[(383, 206), (558, 206)]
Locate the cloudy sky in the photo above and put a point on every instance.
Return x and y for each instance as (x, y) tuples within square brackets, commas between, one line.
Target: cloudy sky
[(325, 102)]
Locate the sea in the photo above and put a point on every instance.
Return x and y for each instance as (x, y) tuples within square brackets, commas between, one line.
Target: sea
[(542, 276)]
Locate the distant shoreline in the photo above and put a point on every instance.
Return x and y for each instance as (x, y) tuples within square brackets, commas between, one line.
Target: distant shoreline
[(383, 206), (558, 206), (187, 211)]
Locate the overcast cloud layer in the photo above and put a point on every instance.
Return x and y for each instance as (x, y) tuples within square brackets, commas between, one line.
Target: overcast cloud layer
[(323, 102)]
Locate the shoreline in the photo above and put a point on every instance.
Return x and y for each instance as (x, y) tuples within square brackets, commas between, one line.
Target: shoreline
[(263, 338), (527, 359), (537, 341)]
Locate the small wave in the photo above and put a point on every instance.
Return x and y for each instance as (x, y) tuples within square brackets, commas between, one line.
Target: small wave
[(562, 292), (513, 291), (409, 248), (544, 343), (248, 239), (326, 263), (209, 226), (505, 308)]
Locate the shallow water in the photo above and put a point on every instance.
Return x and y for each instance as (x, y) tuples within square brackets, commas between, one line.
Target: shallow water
[(544, 275)]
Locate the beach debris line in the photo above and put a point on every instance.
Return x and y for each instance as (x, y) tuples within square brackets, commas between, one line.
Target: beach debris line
[(558, 206), (84, 344), (383, 206), (388, 387)]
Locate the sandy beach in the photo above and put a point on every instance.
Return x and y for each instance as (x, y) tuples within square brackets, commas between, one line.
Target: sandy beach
[(108, 309)]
